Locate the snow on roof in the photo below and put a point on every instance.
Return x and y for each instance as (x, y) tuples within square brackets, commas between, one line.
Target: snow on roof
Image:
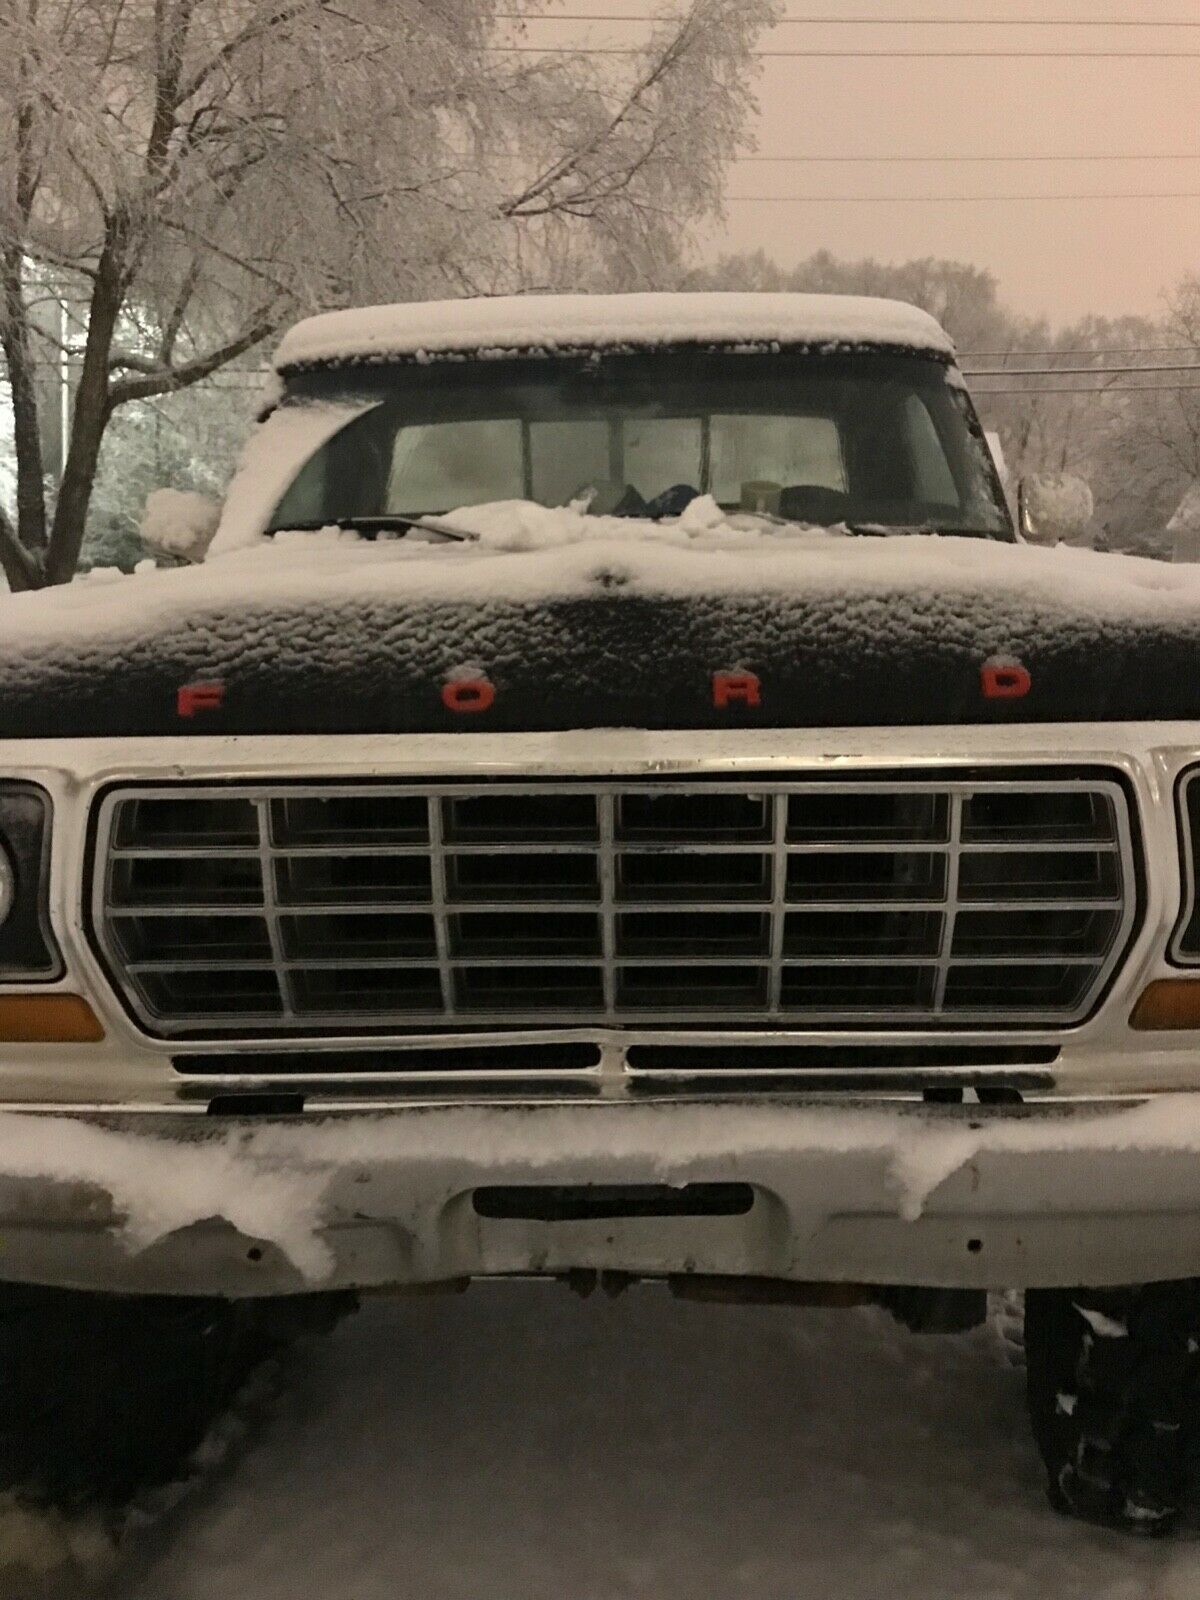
[(538, 323)]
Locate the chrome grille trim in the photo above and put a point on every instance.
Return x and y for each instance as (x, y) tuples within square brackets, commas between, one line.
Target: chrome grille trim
[(785, 882)]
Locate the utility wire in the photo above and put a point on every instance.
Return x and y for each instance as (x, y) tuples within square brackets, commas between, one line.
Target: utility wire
[(932, 199), (1116, 388), (939, 160), (931, 160), (870, 22), (1115, 350), (876, 55), (1072, 372)]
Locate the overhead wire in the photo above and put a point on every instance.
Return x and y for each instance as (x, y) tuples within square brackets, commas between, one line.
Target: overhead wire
[(1112, 350), (1116, 388), (936, 160), (870, 22), (876, 55), (955, 199), (1076, 372)]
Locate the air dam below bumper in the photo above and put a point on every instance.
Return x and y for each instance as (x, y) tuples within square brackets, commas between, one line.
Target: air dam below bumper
[(169, 1202)]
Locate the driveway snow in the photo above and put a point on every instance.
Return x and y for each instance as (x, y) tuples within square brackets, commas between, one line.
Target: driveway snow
[(519, 1444)]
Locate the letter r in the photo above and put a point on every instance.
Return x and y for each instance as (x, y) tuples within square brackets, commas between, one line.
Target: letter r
[(728, 687)]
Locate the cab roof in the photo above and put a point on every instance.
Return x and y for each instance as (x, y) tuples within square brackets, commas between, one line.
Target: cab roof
[(528, 325)]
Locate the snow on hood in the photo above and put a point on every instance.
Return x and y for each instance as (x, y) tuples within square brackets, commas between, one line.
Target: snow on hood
[(525, 553), (507, 324)]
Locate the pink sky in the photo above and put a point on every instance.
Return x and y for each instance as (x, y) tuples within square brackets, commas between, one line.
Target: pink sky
[(1063, 259)]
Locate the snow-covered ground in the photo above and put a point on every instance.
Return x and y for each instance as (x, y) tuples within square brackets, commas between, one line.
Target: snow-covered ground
[(518, 1444)]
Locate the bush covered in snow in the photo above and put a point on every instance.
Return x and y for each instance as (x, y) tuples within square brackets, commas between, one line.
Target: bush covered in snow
[(180, 522)]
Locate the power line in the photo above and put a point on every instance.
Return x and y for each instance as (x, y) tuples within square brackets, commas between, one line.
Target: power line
[(1073, 372), (870, 55), (1115, 350), (871, 22), (938, 160), (930, 160), (933, 199), (1116, 388)]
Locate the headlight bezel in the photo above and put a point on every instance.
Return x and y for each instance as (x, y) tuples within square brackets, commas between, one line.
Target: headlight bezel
[(29, 952), (8, 885), (1184, 947)]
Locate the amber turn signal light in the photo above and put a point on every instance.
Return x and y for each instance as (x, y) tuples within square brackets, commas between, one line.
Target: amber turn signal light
[(1168, 1003), (48, 1019)]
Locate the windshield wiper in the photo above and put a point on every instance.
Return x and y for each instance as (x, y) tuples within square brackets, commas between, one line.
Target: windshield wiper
[(885, 530), (383, 522)]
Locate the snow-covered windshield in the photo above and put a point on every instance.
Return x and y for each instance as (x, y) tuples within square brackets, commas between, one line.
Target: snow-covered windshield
[(873, 441)]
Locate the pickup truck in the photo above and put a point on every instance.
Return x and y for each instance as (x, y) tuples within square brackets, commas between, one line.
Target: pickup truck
[(616, 799)]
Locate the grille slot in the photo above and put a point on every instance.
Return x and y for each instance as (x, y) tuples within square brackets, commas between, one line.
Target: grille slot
[(948, 901), (565, 1069)]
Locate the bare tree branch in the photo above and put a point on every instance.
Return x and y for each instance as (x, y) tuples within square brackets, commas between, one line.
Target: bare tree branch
[(169, 381), (570, 162)]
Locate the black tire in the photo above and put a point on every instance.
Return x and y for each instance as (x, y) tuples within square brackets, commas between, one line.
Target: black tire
[(1113, 1381), (105, 1396)]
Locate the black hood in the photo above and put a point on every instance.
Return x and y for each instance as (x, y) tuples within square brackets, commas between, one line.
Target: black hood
[(370, 657)]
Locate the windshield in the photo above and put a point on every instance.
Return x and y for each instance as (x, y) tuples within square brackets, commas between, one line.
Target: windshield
[(872, 441)]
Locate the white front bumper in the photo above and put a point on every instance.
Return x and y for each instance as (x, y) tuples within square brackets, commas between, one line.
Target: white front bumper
[(951, 1197)]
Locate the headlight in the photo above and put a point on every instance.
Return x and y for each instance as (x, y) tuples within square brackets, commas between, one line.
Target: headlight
[(27, 947)]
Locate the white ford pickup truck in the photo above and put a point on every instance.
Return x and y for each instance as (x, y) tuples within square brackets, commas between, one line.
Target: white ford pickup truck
[(616, 800)]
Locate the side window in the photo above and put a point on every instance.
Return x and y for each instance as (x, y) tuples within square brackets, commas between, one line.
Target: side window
[(933, 480), (437, 466), (305, 499), (792, 451)]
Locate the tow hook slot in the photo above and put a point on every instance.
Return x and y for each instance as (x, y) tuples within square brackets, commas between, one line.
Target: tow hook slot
[(255, 1105), (595, 1202)]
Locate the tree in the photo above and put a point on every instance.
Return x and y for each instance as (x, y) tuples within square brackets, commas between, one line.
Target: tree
[(1160, 437), (964, 299), (192, 174)]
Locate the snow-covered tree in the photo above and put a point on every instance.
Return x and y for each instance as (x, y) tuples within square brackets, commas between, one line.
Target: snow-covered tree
[(191, 174)]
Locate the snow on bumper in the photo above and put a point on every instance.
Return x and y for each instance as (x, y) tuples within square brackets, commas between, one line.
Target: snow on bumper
[(966, 1197)]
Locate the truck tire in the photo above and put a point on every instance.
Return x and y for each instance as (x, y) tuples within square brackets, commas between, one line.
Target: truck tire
[(105, 1396), (1113, 1378)]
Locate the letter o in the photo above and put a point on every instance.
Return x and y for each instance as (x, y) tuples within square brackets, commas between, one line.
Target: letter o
[(1010, 681), (466, 695)]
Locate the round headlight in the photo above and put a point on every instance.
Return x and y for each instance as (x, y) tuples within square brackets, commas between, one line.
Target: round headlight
[(8, 883)]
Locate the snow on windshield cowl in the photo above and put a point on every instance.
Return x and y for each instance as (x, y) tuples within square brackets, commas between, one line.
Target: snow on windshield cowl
[(595, 622)]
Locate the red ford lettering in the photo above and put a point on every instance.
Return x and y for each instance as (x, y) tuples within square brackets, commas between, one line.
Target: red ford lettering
[(195, 697), (466, 695), (1007, 681), (742, 688)]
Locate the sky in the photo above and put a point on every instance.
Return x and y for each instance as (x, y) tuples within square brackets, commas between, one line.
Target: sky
[(1061, 258)]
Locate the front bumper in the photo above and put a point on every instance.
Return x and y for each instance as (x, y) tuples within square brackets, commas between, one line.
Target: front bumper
[(959, 1197)]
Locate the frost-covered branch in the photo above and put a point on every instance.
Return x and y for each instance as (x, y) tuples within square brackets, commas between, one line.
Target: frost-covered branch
[(170, 379), (191, 174)]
